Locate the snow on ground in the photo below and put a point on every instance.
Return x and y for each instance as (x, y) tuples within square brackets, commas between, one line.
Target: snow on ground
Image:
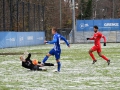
[(77, 72)]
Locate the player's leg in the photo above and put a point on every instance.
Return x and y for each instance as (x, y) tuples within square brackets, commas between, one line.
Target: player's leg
[(41, 69), (91, 54), (104, 57), (51, 52), (45, 58), (101, 55), (57, 56), (48, 64), (38, 68), (59, 65)]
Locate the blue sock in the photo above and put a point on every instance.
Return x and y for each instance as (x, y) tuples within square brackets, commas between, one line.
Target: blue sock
[(59, 66), (45, 59)]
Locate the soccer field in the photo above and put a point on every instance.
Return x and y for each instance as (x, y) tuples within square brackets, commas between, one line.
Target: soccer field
[(77, 71)]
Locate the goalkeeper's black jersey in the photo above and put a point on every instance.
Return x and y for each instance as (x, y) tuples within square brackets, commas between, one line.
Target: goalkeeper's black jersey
[(29, 65)]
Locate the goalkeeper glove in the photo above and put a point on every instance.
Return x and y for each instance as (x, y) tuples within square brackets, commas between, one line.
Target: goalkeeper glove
[(104, 44), (87, 38)]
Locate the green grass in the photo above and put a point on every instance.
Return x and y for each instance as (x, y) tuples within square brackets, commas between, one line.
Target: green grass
[(77, 72)]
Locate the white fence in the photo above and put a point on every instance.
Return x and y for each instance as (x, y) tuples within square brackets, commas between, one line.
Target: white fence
[(111, 36)]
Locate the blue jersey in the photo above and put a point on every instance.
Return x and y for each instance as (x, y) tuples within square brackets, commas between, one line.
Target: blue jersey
[(56, 41)]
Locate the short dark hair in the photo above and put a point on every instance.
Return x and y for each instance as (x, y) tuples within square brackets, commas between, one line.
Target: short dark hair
[(96, 27), (55, 29)]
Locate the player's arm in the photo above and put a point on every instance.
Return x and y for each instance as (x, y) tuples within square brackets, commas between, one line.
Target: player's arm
[(90, 38), (28, 58), (53, 41), (63, 38), (104, 38)]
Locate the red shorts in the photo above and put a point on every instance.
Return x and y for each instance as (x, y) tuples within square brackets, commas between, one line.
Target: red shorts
[(96, 48)]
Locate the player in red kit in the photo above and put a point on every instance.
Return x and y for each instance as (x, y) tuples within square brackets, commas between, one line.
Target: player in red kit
[(97, 46)]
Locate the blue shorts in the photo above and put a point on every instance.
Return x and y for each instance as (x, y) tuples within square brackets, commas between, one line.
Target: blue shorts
[(56, 53)]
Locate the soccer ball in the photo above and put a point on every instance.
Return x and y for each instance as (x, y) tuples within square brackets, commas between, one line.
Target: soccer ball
[(35, 61)]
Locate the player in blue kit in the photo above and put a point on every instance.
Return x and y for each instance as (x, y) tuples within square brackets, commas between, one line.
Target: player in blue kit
[(56, 51)]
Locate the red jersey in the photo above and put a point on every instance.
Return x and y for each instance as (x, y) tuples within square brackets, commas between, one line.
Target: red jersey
[(97, 37)]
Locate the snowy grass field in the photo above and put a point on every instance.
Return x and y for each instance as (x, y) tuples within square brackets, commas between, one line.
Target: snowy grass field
[(77, 71)]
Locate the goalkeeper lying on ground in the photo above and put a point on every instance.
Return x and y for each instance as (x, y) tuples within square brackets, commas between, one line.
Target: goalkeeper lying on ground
[(34, 65)]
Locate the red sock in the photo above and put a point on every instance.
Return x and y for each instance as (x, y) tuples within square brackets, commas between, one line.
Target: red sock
[(104, 57), (92, 56)]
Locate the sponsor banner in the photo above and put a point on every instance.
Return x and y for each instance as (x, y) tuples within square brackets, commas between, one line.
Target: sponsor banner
[(16, 39), (104, 25)]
